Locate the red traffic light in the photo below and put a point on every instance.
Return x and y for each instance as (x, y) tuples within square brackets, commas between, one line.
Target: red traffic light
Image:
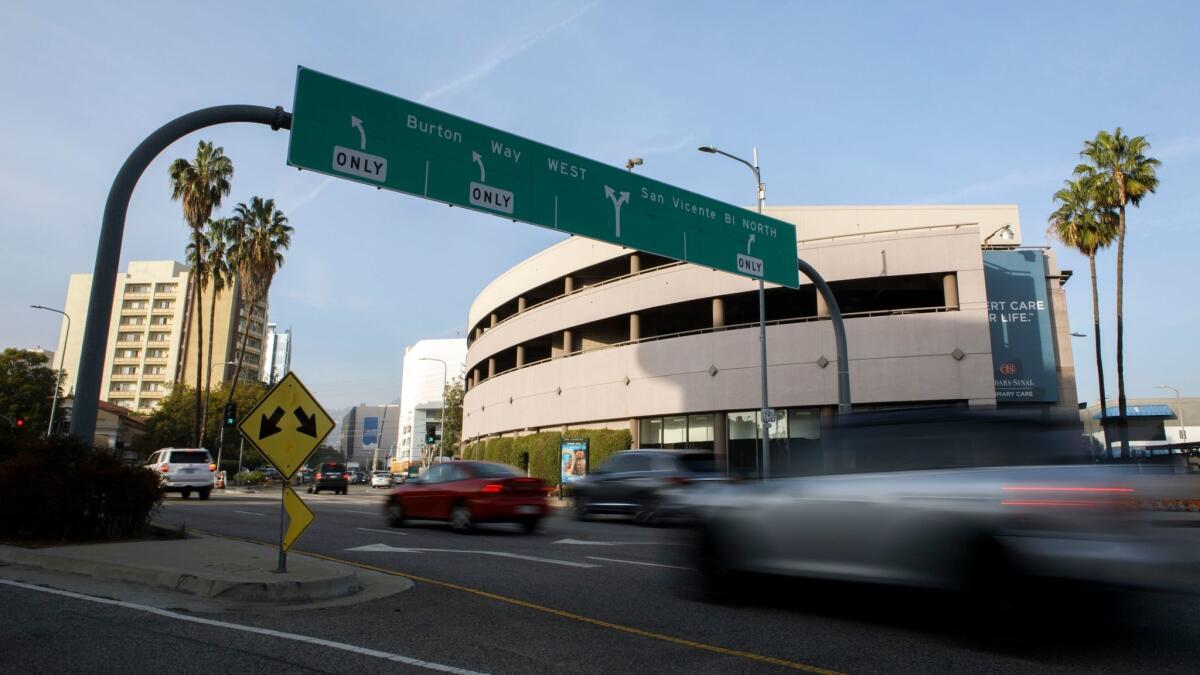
[(20, 422)]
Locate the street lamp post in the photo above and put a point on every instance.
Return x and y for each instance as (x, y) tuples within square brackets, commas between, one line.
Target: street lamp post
[(1178, 402), (62, 357), (762, 312), (442, 423)]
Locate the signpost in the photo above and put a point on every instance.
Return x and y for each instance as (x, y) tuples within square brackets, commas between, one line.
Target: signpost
[(286, 426), (349, 131)]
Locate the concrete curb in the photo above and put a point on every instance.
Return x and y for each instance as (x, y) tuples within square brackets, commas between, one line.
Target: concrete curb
[(216, 586)]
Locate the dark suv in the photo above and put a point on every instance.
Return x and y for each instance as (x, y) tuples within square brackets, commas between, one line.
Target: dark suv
[(633, 481), (330, 476)]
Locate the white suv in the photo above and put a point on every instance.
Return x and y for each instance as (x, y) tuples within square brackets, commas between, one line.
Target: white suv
[(183, 470)]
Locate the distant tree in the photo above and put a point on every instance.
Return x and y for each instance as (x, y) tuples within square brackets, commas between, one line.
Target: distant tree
[(170, 424), (1085, 223), (1124, 175), (199, 185), (452, 414), (26, 393)]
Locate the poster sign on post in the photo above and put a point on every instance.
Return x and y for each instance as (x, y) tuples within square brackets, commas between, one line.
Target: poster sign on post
[(573, 458)]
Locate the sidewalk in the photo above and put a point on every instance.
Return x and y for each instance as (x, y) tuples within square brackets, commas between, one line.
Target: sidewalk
[(206, 567)]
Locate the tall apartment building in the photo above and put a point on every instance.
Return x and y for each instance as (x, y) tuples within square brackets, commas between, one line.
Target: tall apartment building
[(277, 357), (421, 390), (146, 338)]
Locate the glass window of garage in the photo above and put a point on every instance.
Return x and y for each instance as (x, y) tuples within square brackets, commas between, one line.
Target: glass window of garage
[(677, 432)]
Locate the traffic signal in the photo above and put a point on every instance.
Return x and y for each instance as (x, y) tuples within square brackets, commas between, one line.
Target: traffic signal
[(230, 415), (19, 422), (431, 435)]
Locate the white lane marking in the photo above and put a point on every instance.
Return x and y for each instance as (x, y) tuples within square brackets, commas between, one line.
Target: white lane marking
[(250, 513), (385, 548), (583, 542), (365, 513), (248, 629), (369, 529), (635, 562)]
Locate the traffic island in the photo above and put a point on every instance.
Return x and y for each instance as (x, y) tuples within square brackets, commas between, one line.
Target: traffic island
[(212, 568)]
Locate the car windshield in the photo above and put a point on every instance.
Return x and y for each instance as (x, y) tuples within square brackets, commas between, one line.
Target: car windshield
[(189, 457), (494, 471)]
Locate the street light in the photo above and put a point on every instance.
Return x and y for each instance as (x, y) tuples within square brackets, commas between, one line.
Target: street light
[(62, 355), (1005, 231), (762, 310), (633, 161), (442, 423), (1178, 402)]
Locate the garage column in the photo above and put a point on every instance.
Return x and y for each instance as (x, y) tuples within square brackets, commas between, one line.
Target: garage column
[(520, 304), (950, 289), (520, 355), (635, 327), (493, 320), (822, 306), (491, 368), (635, 263), (718, 313), (474, 378), (568, 285), (568, 343)]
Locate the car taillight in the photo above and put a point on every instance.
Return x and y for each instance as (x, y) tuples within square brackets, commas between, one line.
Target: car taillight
[(346, 476), (165, 468), (679, 480), (212, 467), (493, 488), (318, 476)]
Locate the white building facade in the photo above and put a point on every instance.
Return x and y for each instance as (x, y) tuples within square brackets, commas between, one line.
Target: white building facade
[(277, 356), (421, 390)]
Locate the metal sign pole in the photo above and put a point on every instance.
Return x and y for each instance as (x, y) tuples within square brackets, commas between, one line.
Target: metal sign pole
[(282, 529)]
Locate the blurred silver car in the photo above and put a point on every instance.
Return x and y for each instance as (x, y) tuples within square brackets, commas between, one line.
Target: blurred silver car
[(382, 479), (958, 529)]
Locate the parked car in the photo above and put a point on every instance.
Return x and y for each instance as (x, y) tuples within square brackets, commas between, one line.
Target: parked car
[(330, 476), (270, 473), (467, 493), (634, 482), (357, 476), (184, 470), (381, 479)]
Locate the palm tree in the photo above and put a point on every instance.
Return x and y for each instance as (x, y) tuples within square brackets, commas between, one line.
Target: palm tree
[(260, 234), (199, 185), (1082, 222), (1125, 175), (218, 271)]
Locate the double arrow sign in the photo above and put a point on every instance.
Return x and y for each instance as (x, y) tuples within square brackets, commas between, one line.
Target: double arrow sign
[(269, 426)]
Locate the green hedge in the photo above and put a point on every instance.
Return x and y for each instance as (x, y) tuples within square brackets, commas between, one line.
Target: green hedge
[(61, 490), (543, 449)]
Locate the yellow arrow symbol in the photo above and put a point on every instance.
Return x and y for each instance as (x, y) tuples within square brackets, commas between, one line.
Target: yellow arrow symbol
[(299, 517)]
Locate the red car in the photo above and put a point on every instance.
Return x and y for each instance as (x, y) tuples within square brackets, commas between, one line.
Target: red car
[(466, 493)]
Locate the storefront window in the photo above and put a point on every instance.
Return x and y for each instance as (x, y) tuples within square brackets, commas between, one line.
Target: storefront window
[(650, 432), (743, 443), (674, 432), (700, 432)]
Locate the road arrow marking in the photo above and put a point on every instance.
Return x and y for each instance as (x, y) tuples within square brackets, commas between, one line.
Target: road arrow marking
[(308, 423), (269, 426), (617, 199), (385, 548), (362, 133), (475, 157)]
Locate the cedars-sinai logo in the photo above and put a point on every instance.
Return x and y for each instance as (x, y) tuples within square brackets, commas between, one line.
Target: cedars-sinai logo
[(1009, 368)]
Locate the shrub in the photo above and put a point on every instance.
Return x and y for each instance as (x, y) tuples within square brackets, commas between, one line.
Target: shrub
[(543, 449), (61, 490), (250, 478)]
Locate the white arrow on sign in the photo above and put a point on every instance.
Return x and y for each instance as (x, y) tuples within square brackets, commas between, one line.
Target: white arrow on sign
[(479, 160), (617, 199), (748, 242), (362, 133)]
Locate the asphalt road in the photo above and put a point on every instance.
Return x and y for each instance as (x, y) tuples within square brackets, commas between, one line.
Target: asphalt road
[(601, 597)]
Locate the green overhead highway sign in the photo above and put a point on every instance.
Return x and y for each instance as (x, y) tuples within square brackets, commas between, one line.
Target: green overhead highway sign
[(346, 130)]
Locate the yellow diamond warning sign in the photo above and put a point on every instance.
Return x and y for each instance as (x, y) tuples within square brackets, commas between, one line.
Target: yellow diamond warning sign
[(287, 425)]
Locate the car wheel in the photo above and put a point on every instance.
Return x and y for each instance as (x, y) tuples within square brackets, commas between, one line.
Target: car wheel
[(460, 518), (205, 493), (531, 525), (394, 514), (186, 494)]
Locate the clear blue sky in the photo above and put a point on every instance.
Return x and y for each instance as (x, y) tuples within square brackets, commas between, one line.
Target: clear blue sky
[(849, 103)]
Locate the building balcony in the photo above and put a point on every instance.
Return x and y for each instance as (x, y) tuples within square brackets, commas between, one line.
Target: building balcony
[(132, 361), (155, 360), (124, 377), (136, 296)]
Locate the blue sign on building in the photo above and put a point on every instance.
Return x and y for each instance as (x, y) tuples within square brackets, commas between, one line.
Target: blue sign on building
[(1023, 359), (370, 431)]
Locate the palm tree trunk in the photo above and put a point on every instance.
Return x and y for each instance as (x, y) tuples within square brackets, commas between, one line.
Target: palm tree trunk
[(1123, 421), (181, 362), (199, 307), (242, 351), (212, 320), (1099, 358)]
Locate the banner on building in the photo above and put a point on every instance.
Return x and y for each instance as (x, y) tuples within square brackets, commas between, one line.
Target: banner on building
[(1023, 362)]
